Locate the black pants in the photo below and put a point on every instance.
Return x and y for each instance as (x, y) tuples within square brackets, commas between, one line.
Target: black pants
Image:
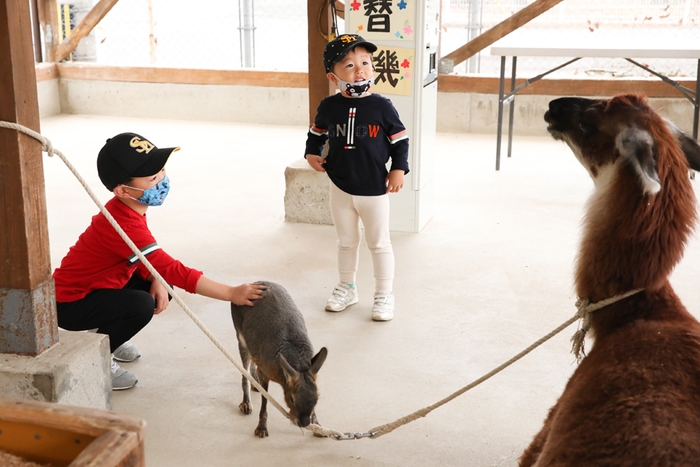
[(119, 313)]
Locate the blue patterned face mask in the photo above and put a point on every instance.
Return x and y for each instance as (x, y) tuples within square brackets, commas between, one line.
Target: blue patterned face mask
[(155, 195)]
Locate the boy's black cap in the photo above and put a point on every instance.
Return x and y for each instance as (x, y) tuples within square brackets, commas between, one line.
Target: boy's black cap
[(339, 47), (129, 155)]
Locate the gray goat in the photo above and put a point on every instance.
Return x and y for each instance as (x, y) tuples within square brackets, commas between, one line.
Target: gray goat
[(272, 335)]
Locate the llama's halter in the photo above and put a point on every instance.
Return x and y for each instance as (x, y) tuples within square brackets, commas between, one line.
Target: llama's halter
[(585, 314)]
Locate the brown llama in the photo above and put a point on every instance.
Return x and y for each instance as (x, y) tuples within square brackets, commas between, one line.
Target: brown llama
[(634, 400)]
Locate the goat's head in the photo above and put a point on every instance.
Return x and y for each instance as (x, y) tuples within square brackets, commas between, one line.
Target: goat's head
[(643, 207), (300, 391)]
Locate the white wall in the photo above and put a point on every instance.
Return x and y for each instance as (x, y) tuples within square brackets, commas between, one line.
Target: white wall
[(457, 112)]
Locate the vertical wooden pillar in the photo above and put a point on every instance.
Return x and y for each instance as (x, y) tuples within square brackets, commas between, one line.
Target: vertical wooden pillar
[(48, 20), (319, 86), (27, 297)]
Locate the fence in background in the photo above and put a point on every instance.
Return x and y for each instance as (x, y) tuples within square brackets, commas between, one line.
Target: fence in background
[(211, 34)]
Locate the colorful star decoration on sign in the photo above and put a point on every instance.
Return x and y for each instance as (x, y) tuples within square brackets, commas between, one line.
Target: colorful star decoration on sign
[(405, 63), (356, 5), (402, 5)]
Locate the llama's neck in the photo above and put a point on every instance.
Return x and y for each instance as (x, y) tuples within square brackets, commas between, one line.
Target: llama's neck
[(631, 240)]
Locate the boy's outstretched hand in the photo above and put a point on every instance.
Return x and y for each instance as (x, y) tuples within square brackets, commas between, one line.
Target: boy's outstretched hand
[(394, 181), (316, 162), (245, 294)]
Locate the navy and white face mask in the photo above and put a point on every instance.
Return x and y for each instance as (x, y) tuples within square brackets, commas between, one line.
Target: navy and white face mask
[(155, 195), (357, 89)]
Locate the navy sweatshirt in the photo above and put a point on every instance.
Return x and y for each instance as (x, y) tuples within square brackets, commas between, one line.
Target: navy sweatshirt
[(363, 134)]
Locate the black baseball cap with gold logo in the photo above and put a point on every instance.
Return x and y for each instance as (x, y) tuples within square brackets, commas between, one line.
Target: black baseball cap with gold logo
[(339, 47), (129, 155)]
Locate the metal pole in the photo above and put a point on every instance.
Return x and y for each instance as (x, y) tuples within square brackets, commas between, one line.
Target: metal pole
[(246, 29), (511, 105), (500, 112), (696, 103), (474, 28)]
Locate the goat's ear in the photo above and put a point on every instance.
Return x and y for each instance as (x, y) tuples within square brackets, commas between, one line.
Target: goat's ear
[(636, 146), (317, 361), (289, 373)]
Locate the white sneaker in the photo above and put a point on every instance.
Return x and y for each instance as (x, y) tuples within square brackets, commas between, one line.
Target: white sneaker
[(127, 352), (122, 379), (383, 308), (342, 297)]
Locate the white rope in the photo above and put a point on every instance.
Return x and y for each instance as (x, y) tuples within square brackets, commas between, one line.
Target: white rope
[(49, 149), (585, 314), (585, 310)]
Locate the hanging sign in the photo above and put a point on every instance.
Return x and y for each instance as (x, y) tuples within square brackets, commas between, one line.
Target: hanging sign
[(393, 70), (381, 19)]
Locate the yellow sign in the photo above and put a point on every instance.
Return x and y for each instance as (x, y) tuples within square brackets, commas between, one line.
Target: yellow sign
[(393, 70), (381, 19)]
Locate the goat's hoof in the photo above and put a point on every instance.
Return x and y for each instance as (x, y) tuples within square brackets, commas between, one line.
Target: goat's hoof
[(261, 432), (246, 407)]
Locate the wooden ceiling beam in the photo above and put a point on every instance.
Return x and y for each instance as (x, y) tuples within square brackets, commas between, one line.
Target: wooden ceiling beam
[(497, 32), (84, 28)]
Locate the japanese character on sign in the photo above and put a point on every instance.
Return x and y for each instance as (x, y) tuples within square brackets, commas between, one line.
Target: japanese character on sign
[(386, 65), (379, 15)]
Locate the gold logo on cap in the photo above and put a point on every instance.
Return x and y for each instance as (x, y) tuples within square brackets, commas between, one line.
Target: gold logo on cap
[(347, 39), (142, 144)]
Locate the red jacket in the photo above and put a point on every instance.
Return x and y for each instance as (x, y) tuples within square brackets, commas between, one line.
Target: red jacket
[(100, 259)]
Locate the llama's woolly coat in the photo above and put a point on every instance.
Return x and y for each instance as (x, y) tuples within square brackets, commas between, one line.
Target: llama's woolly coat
[(635, 399)]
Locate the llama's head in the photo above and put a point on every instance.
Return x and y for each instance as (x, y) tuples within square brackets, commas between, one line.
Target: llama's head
[(643, 207), (605, 134)]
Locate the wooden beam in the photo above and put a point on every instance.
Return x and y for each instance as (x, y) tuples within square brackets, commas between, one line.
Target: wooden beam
[(27, 300), (652, 87), (340, 9), (318, 29), (248, 77), (83, 29), (591, 87), (500, 30)]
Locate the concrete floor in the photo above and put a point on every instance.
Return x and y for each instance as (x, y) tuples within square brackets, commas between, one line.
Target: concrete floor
[(490, 274)]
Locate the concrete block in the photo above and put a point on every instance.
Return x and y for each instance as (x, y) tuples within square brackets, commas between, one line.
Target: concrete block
[(306, 195), (75, 371)]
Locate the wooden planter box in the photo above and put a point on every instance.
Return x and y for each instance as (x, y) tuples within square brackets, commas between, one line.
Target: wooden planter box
[(66, 436)]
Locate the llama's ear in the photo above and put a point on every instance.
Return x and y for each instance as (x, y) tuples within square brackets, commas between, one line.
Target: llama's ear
[(636, 146), (688, 145)]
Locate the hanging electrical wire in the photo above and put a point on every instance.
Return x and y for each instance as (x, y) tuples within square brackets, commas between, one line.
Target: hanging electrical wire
[(334, 20)]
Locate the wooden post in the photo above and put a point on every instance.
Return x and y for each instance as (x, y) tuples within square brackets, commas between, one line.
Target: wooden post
[(319, 86), (27, 297), (48, 20)]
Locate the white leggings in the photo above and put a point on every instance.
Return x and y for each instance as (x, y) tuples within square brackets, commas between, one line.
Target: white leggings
[(347, 210)]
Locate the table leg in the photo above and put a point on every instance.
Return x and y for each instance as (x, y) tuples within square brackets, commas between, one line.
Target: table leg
[(696, 103), (500, 113), (511, 104)]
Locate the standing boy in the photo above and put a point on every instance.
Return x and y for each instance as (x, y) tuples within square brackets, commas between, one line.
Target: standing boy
[(101, 284), (363, 131)]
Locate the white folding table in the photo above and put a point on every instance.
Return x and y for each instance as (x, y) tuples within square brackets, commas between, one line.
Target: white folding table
[(628, 52)]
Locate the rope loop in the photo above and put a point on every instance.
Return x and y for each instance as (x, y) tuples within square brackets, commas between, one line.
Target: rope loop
[(584, 312)]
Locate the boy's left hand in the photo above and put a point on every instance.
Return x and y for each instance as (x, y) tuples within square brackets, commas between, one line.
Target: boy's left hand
[(160, 295), (394, 181)]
